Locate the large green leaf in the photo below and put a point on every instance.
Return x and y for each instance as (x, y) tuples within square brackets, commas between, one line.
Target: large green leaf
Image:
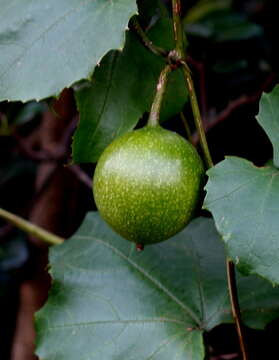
[(244, 201), (48, 45), (268, 118), (110, 302), (122, 89)]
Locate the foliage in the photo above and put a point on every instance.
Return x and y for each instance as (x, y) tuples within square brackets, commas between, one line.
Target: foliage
[(113, 90), (244, 202), (30, 33), (107, 300)]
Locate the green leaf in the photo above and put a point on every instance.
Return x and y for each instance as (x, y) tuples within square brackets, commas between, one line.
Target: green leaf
[(46, 46), (122, 89), (268, 118), (244, 201), (110, 302)]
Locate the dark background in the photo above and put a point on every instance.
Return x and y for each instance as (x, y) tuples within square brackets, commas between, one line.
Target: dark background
[(233, 54)]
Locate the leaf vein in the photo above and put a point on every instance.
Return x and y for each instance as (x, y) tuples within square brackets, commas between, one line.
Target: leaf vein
[(187, 310)]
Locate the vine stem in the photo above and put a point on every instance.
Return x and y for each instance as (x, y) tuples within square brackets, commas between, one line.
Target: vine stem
[(178, 29), (236, 307), (197, 115), (181, 56), (154, 116), (230, 265), (187, 127), (30, 228), (145, 40)]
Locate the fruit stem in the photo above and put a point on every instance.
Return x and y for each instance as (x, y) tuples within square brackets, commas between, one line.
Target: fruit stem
[(154, 116), (30, 228)]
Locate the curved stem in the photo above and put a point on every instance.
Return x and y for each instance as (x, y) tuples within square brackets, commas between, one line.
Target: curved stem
[(145, 40), (179, 39), (154, 115), (235, 307), (187, 127), (197, 115), (30, 228)]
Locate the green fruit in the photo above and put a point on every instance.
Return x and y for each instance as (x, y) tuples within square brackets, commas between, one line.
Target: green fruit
[(147, 184)]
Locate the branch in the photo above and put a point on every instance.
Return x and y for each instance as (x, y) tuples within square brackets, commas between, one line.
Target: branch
[(57, 154), (81, 175), (209, 123), (236, 307), (145, 40), (30, 228)]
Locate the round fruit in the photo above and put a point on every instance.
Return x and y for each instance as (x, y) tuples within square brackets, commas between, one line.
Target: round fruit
[(147, 184)]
